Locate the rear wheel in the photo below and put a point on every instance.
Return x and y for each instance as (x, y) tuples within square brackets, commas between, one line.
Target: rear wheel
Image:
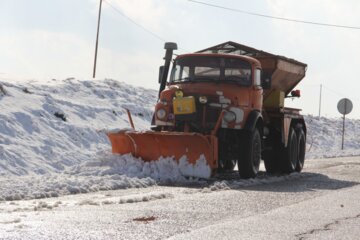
[(250, 154), (301, 149), (271, 156), (290, 153)]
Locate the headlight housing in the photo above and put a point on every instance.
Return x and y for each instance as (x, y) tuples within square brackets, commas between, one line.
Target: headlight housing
[(229, 116), (161, 113), (179, 93)]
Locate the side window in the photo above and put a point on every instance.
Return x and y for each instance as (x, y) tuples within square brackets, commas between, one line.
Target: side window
[(180, 73), (257, 77), (174, 73), (185, 73)]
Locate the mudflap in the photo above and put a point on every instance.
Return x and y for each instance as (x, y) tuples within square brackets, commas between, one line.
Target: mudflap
[(151, 145)]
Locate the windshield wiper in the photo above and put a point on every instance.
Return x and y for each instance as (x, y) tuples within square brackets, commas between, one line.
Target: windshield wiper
[(205, 79), (185, 79), (239, 80), (196, 79)]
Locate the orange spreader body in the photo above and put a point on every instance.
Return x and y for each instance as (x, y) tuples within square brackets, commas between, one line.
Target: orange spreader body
[(151, 145)]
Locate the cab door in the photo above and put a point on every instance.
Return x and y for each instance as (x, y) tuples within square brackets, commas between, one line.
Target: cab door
[(257, 93)]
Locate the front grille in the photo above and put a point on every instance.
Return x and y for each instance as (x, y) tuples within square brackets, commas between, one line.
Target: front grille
[(211, 115)]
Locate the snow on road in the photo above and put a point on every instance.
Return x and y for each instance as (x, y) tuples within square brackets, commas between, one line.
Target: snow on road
[(320, 203), (53, 142)]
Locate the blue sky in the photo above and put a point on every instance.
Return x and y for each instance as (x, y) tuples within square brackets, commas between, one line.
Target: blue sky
[(45, 39)]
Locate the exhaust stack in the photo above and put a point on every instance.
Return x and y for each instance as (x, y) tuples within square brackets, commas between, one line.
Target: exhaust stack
[(169, 47)]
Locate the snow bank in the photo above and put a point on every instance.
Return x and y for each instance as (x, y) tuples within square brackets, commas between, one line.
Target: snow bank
[(46, 128), (107, 172), (324, 137), (53, 141)]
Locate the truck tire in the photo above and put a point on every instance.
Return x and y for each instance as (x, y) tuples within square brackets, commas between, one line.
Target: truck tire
[(290, 153), (226, 165), (230, 164), (250, 154), (270, 161), (272, 156), (301, 141), (226, 160)]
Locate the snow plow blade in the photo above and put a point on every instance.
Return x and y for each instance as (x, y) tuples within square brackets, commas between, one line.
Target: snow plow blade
[(150, 145)]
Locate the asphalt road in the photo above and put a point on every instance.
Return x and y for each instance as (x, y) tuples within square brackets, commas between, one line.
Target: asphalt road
[(323, 202)]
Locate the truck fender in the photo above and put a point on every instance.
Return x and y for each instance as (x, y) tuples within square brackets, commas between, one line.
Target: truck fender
[(252, 120)]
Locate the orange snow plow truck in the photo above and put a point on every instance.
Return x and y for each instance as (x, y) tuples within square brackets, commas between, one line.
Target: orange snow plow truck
[(224, 104)]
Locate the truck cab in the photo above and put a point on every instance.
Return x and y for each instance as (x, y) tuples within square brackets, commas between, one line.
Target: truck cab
[(201, 86)]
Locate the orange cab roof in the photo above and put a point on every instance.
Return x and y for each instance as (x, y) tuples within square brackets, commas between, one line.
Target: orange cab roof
[(246, 58)]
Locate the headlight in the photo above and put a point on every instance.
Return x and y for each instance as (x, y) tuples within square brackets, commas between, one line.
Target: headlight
[(203, 99), (161, 113), (229, 117), (179, 93)]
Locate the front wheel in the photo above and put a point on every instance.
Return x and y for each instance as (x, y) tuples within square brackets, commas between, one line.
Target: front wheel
[(227, 156), (226, 165), (250, 154)]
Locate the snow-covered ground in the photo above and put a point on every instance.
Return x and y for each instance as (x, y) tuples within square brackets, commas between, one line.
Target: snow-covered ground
[(324, 138), (53, 142)]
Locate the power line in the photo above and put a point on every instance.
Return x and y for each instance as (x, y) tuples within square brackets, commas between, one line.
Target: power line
[(97, 39), (274, 17), (334, 92), (139, 25), (341, 94), (135, 23)]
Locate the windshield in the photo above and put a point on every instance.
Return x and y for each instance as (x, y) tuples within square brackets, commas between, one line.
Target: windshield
[(205, 68)]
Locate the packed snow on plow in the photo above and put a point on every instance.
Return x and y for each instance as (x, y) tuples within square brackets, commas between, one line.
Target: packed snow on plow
[(193, 152), (223, 106)]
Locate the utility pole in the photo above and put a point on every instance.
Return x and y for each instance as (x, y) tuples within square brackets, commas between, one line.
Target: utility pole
[(97, 39), (320, 101)]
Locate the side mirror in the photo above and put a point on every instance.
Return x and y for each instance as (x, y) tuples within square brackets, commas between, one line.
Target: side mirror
[(161, 70), (266, 81)]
